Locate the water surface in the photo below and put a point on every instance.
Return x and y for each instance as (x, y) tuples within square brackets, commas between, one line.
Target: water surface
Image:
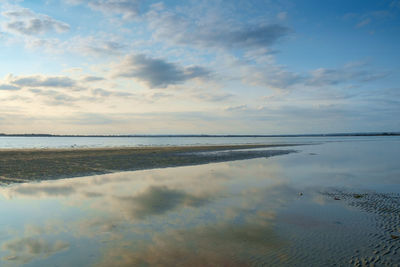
[(271, 211), (10, 142)]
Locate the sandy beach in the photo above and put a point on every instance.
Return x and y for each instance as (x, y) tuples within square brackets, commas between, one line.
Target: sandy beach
[(23, 165)]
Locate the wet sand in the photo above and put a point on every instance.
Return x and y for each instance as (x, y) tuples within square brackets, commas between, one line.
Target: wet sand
[(24, 165), (386, 220)]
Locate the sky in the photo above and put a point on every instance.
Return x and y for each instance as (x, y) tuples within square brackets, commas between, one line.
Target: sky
[(199, 67)]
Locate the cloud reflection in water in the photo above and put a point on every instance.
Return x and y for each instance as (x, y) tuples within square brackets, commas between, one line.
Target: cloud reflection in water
[(157, 200)]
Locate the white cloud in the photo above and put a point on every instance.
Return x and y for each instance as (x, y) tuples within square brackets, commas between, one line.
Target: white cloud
[(102, 44), (43, 81), (26, 22), (128, 9)]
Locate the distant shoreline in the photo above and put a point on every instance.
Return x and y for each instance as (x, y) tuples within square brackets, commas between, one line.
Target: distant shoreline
[(25, 165), (209, 135)]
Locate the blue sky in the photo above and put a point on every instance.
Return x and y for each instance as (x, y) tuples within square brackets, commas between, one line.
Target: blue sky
[(185, 67)]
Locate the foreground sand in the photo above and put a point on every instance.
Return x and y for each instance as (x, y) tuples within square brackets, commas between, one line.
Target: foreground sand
[(386, 208), (23, 165)]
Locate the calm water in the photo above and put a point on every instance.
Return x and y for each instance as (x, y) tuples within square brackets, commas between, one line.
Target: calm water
[(267, 211), (68, 142)]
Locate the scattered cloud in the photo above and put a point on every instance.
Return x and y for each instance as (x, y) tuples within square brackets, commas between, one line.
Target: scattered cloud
[(74, 2), (251, 36), (108, 47), (154, 96), (8, 87), (363, 22), (350, 73), (157, 73), (212, 97), (99, 45), (99, 92), (236, 108), (278, 78), (92, 79), (54, 97), (43, 81), (372, 17), (26, 22), (128, 9), (271, 76), (173, 27), (49, 45)]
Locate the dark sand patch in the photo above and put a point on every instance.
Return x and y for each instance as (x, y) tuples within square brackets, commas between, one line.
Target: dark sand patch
[(386, 226), (23, 165)]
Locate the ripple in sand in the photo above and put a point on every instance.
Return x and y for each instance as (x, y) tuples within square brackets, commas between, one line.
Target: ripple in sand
[(386, 225)]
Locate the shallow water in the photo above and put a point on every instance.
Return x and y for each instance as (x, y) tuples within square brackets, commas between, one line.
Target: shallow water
[(10, 142), (272, 211)]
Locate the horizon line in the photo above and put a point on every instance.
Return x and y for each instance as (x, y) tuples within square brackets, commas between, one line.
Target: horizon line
[(384, 133)]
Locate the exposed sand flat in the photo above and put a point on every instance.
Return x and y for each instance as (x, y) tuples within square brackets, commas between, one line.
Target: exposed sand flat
[(22, 165)]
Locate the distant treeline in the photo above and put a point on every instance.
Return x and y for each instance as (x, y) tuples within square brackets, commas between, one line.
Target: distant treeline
[(211, 135)]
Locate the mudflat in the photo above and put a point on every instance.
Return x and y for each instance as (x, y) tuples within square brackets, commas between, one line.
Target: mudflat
[(23, 165)]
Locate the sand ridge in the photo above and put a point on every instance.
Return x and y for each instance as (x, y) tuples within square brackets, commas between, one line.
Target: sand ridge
[(22, 165)]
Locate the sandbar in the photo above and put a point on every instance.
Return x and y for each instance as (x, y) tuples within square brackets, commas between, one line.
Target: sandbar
[(24, 165)]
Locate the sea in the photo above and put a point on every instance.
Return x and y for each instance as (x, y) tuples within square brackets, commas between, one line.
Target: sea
[(16, 142)]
